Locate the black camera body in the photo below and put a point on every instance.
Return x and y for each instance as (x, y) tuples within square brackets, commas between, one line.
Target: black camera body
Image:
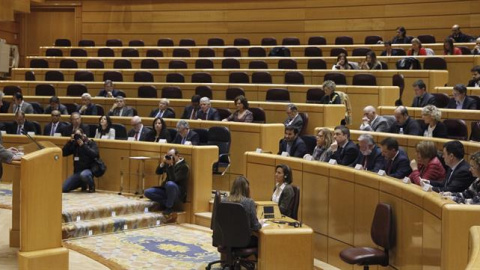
[(77, 137), (168, 157)]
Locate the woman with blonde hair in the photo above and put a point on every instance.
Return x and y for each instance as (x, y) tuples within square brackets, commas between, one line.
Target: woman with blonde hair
[(433, 127), (427, 166), (417, 48), (322, 151), (240, 193)]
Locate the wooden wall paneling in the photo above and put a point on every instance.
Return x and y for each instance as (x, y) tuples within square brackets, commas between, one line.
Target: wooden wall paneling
[(432, 244), (6, 12), (341, 201)]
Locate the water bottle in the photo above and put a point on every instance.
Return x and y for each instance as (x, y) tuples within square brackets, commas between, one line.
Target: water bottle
[(401, 131)]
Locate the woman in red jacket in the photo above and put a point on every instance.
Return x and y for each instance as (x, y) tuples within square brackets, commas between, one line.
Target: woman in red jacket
[(449, 48), (416, 48), (427, 166)]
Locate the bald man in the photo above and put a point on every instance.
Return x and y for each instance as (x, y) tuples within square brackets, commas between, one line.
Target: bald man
[(404, 124), (458, 36), (372, 121), (139, 132)]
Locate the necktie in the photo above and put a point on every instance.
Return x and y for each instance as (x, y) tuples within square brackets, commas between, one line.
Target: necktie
[(389, 166), (159, 114), (136, 136), (192, 115), (183, 140), (52, 132), (365, 161), (19, 130)]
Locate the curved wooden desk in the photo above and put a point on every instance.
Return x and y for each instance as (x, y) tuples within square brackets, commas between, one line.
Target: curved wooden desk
[(474, 246)]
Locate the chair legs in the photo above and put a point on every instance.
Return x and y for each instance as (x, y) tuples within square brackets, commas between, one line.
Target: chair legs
[(210, 264)]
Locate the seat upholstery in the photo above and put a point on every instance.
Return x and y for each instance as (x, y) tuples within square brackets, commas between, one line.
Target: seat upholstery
[(372, 39), (177, 64), (204, 91), (53, 52), (230, 63), (337, 51), (220, 136), (201, 77), (44, 90), (147, 91), (316, 64), (105, 52), (314, 95), (206, 52), (258, 64), (154, 53), (114, 76), (435, 63), (338, 78), (143, 76), (95, 63), (54, 75), (441, 100), (180, 52), (38, 63), (84, 76), (343, 40), (232, 52), (427, 39), (238, 77), (136, 43), (114, 43), (456, 129), (130, 52), (204, 64), (122, 64), (215, 42), (258, 115), (287, 64), (233, 92), (313, 52), (241, 42), (187, 42), (165, 42), (149, 64), (364, 79), (257, 52), (291, 41), (171, 92), (261, 77), (278, 95), (78, 53), (76, 90), (10, 90), (175, 77), (86, 43), (475, 133), (68, 63), (361, 51), (294, 77), (269, 41), (317, 40)]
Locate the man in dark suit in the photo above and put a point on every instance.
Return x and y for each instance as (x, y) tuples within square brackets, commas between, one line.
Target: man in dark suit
[(404, 124), (460, 100), (422, 97), (185, 135), (294, 119), (55, 105), (458, 177), (475, 81), (292, 144), (108, 90), (345, 152), (120, 109), (55, 126), (88, 108), (139, 132), (388, 49), (75, 123), (163, 111), (190, 111), (21, 125), (459, 36), (370, 156), (396, 162), (372, 121), (206, 111)]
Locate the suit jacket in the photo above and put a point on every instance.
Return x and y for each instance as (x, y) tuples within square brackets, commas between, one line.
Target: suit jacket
[(4, 107), (59, 129), (103, 93), (187, 112), (298, 149), (166, 114), (346, 155), (400, 166), (146, 135), (127, 111), (410, 127), (440, 130), (458, 181), (375, 161), (27, 126), (379, 124), (91, 110), (472, 83), (426, 99), (26, 108), (297, 123), (285, 200), (394, 53), (68, 130), (192, 136), (61, 108), (468, 104), (212, 115), (433, 171)]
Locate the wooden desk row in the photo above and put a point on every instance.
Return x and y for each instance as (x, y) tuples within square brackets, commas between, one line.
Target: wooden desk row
[(471, 91)]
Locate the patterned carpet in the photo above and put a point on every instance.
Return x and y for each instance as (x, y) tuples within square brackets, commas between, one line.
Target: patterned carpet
[(6, 196)]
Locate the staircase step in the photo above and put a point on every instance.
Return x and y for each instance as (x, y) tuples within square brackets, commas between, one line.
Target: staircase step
[(203, 219)]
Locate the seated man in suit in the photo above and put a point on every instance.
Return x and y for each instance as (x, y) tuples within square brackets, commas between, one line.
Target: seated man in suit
[(460, 100), (293, 117), (75, 123), (119, 108), (396, 162), (108, 90), (185, 135), (293, 145), (372, 121), (422, 97), (55, 105), (459, 36), (139, 132), (458, 176), (345, 152), (370, 157), (88, 108), (475, 81), (206, 111), (19, 104), (21, 125), (388, 49), (190, 111), (55, 126), (163, 111), (404, 124)]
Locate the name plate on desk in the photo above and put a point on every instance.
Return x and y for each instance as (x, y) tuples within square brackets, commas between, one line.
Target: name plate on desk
[(332, 162), (162, 141), (381, 173), (268, 210), (406, 180)]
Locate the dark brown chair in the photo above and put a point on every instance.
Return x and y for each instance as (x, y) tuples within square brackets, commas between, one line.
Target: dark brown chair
[(232, 52), (278, 95), (177, 64), (257, 64), (400, 52), (84, 76), (475, 135), (230, 63), (10, 90), (68, 63), (53, 52), (313, 52), (343, 40), (465, 50), (95, 63), (38, 63), (44, 90), (435, 63), (203, 64), (136, 43), (122, 64), (477, 100), (427, 39), (30, 76), (114, 43), (269, 41), (215, 42), (441, 100), (364, 79), (206, 52), (287, 64), (187, 42), (143, 76), (336, 77), (314, 95), (54, 75), (294, 77), (238, 77), (241, 42), (147, 91), (316, 64), (262, 77), (258, 115), (233, 92), (399, 80), (304, 117), (171, 92), (288, 41), (180, 52), (105, 52), (175, 77), (78, 53), (86, 43), (384, 65), (204, 91), (201, 77), (361, 51), (257, 52), (311, 143), (456, 129), (165, 42), (223, 113), (383, 235), (149, 64), (336, 51), (296, 201), (113, 76), (372, 39), (76, 90), (154, 53), (317, 41), (130, 52)]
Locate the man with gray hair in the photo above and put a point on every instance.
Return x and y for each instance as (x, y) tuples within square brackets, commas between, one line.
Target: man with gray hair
[(120, 109), (330, 97), (206, 111), (185, 135), (163, 110), (370, 157), (139, 132), (293, 118), (88, 108), (372, 121)]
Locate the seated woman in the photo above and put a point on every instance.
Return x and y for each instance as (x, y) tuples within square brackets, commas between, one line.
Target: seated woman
[(416, 48), (283, 193), (330, 96), (471, 194), (342, 63), (433, 127), (242, 114), (104, 129), (427, 166), (322, 151), (371, 62), (449, 48), (160, 129)]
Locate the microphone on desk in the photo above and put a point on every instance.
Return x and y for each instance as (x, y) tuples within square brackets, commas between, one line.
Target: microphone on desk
[(24, 132)]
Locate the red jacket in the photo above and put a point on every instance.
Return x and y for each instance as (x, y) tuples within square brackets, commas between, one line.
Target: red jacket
[(422, 51), (434, 171), (456, 51)]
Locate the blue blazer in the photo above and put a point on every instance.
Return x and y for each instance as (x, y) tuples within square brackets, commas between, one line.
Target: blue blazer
[(400, 166)]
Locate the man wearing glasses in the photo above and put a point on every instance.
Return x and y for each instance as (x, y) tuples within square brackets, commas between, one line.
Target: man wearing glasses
[(55, 126), (185, 135)]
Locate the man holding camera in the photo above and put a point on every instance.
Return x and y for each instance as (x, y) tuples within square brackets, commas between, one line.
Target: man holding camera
[(174, 187), (84, 152)]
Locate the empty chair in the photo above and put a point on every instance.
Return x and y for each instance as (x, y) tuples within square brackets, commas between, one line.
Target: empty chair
[(204, 91), (202, 134), (230, 63), (287, 64), (399, 80), (171, 92), (238, 77), (317, 41), (114, 76), (261, 77), (120, 131), (86, 43), (441, 100), (477, 99), (310, 142), (136, 43), (304, 117), (165, 42), (147, 91), (434, 63), (180, 52), (372, 39), (130, 52), (68, 63), (10, 90), (175, 77), (37, 108), (201, 77), (278, 95), (364, 79), (314, 95), (258, 115), (53, 52), (360, 51), (257, 52), (38, 63), (456, 129), (223, 113), (44, 90), (294, 77), (187, 42), (384, 65), (54, 75), (203, 63), (215, 42), (337, 51), (30, 76), (177, 64), (257, 64), (291, 41), (465, 50), (114, 43), (143, 76), (316, 64), (122, 64), (78, 53), (400, 52), (154, 53), (233, 92), (63, 42), (427, 39), (343, 40), (100, 111), (206, 52), (241, 42), (76, 90), (105, 52), (220, 136), (232, 52), (338, 78), (95, 63), (149, 64), (269, 41), (475, 133), (313, 52)]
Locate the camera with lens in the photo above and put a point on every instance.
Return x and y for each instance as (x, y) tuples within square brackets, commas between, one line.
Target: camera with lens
[(77, 137), (168, 157)]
